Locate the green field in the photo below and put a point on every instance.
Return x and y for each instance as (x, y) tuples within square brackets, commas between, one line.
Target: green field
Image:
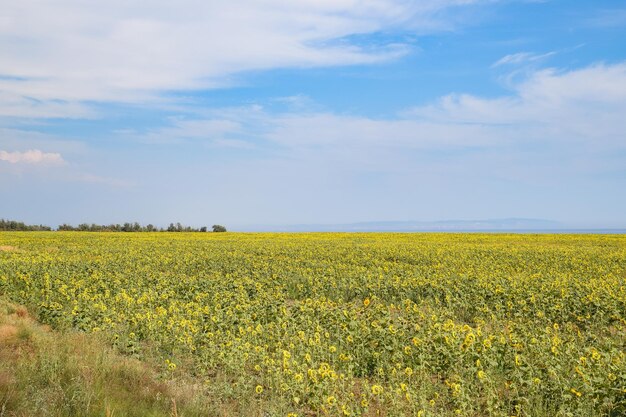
[(340, 324)]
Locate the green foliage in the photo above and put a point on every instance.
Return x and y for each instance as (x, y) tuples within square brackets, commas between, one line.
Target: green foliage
[(128, 227), (353, 324), (12, 225), (67, 374)]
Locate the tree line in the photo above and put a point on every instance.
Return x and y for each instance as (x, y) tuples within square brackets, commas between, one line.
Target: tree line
[(21, 226), (7, 225)]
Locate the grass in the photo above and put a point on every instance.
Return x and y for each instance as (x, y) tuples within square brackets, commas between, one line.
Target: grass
[(67, 373)]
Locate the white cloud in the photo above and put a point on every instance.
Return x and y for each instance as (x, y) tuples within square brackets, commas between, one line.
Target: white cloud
[(12, 104), (215, 131), (65, 51), (566, 121), (18, 164), (521, 58), (33, 156), (585, 105)]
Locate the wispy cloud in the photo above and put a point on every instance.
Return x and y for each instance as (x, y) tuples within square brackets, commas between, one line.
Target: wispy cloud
[(608, 18), (555, 121), (216, 131), (33, 156), (63, 52), (583, 103), (521, 58), (17, 104)]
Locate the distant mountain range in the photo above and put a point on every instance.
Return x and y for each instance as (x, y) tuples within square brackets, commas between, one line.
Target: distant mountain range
[(502, 225)]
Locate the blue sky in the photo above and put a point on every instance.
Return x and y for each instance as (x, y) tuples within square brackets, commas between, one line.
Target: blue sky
[(315, 111)]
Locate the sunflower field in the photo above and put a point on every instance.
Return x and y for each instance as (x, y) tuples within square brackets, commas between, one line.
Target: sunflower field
[(348, 324)]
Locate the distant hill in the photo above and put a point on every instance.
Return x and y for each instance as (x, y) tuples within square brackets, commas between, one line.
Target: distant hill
[(512, 224)]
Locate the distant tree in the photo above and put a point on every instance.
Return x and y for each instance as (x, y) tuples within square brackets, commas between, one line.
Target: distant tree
[(21, 226), (218, 228), (93, 227)]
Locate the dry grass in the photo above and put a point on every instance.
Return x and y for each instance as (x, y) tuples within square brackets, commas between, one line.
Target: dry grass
[(45, 372), (7, 333)]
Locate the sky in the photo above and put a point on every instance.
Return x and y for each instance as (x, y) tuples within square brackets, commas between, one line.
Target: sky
[(251, 112)]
